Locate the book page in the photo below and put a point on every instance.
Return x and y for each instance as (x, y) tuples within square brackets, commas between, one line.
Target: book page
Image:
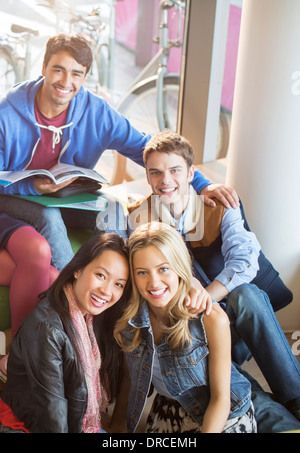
[(63, 172)]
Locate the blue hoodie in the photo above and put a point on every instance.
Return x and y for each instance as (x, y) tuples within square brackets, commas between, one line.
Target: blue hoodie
[(95, 127)]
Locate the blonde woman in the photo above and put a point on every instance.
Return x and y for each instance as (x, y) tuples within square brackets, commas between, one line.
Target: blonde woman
[(186, 358)]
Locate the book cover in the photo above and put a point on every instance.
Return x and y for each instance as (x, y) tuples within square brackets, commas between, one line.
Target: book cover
[(85, 201)]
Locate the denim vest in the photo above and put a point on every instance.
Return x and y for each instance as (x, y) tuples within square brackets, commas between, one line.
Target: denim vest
[(185, 372)]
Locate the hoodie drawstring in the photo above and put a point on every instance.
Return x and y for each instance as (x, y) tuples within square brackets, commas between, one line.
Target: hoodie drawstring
[(57, 132)]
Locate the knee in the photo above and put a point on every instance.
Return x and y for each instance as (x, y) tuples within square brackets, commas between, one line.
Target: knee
[(247, 295), (114, 207), (49, 217), (38, 249), (43, 248), (113, 218)]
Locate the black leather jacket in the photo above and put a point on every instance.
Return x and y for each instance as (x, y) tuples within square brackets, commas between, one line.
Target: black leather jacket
[(43, 387)]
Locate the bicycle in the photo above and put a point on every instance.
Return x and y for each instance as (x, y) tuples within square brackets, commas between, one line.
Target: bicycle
[(155, 74), (153, 97), (15, 56)]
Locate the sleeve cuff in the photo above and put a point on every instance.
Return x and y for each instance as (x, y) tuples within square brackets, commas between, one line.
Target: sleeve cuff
[(231, 279)]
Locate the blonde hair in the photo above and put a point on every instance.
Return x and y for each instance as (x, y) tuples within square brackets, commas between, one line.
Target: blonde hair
[(172, 246)]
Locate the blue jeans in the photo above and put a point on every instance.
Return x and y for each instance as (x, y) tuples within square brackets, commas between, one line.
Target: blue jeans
[(271, 416), (52, 223), (253, 322)]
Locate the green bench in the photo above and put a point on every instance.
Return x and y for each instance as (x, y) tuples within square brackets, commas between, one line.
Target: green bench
[(77, 238)]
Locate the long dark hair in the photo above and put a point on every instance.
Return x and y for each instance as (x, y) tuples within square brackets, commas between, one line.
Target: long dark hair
[(111, 355)]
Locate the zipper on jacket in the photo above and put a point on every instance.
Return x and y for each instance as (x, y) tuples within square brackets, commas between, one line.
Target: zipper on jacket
[(32, 154), (64, 150)]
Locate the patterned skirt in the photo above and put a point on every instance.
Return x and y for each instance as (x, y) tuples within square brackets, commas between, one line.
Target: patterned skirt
[(167, 416)]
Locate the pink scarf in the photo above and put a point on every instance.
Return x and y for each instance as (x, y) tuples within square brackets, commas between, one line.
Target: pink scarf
[(90, 356)]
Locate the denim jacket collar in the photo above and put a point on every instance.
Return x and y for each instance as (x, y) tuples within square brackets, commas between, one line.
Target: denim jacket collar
[(141, 319)]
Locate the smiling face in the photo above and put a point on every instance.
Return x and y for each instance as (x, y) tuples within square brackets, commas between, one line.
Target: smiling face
[(155, 279), (63, 80), (170, 178), (101, 283)]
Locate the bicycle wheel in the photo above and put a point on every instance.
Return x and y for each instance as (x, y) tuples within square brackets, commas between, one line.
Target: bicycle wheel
[(9, 70), (139, 107)]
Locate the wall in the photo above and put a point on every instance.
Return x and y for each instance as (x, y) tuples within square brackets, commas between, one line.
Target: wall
[(264, 157)]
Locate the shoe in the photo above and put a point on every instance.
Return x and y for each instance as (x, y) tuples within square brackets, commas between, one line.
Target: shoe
[(3, 369)]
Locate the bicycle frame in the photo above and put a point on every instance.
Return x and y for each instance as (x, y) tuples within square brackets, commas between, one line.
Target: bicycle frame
[(157, 67), (162, 73), (16, 55), (25, 40)]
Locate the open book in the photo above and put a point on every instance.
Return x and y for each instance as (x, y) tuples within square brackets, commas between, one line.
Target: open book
[(59, 173)]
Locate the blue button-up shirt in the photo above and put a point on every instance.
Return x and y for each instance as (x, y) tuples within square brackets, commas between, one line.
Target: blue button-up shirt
[(240, 249)]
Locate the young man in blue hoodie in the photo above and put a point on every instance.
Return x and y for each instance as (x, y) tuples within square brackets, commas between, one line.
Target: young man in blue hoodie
[(55, 119)]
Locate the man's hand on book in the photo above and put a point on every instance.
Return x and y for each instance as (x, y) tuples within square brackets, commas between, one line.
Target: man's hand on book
[(45, 185)]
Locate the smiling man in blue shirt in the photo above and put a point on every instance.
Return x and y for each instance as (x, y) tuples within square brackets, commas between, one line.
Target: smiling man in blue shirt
[(170, 170), (228, 261)]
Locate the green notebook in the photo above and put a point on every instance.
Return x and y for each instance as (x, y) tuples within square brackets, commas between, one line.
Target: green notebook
[(86, 201)]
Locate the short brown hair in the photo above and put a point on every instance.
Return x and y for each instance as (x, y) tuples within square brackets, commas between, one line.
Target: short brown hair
[(76, 45), (170, 142)]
